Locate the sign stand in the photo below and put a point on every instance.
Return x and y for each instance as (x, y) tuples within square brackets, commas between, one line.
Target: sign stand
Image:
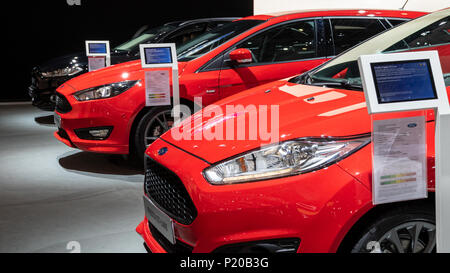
[(442, 180), (157, 85), (99, 54), (409, 82)]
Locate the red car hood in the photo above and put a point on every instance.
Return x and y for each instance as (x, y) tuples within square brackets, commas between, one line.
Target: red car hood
[(304, 111), (120, 72)]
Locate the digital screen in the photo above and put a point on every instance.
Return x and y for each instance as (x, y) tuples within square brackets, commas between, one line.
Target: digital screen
[(402, 81), (158, 55), (97, 48)]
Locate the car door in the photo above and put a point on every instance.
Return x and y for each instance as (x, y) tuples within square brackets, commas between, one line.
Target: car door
[(279, 52)]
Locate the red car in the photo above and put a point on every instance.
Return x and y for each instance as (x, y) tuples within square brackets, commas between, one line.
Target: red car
[(309, 192), (104, 111)]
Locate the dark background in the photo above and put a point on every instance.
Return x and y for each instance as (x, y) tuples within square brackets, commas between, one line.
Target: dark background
[(39, 30)]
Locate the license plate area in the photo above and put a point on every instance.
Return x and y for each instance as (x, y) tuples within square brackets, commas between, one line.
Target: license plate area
[(57, 119), (161, 221)]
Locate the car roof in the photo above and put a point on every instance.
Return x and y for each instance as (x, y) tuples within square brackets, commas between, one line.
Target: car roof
[(201, 20), (289, 15)]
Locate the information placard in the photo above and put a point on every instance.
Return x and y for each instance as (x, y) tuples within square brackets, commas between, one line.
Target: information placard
[(399, 160), (98, 53), (157, 84), (97, 48), (158, 55), (95, 63), (402, 82)]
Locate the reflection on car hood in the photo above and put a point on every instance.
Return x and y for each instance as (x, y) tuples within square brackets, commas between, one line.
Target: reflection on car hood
[(64, 61), (304, 111), (81, 59)]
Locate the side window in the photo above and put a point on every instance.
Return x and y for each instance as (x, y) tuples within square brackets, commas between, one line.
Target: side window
[(395, 22), (348, 32), (215, 24), (186, 34), (434, 34), (289, 42)]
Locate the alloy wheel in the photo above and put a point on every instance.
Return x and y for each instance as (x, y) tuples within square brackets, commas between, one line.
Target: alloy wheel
[(410, 237), (157, 126)]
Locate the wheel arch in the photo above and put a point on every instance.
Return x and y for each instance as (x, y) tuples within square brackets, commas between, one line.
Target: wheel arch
[(140, 115), (351, 237)]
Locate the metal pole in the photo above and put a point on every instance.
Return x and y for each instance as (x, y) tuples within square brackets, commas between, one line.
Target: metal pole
[(176, 95), (442, 157)]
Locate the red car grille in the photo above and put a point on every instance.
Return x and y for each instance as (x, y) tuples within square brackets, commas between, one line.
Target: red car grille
[(167, 191)]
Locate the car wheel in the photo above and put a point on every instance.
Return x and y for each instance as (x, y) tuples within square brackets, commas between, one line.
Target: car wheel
[(410, 230), (153, 124)]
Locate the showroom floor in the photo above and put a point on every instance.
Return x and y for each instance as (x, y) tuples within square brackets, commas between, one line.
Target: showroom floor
[(52, 195)]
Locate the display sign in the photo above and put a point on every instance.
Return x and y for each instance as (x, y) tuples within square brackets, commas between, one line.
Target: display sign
[(402, 82), (158, 55), (407, 82), (97, 48), (399, 160), (98, 54), (157, 82)]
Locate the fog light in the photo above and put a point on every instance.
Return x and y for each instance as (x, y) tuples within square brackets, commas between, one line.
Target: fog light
[(101, 133), (95, 133)]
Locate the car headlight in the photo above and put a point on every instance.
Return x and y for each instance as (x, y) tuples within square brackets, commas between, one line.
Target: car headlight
[(104, 91), (285, 159), (68, 71)]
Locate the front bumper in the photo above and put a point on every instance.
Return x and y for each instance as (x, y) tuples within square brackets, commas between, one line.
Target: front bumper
[(111, 113), (317, 208)]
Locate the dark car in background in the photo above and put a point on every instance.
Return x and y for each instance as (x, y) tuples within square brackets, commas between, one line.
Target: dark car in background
[(46, 77)]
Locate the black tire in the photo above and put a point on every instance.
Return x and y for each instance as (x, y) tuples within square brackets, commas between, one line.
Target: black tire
[(142, 138), (394, 232)]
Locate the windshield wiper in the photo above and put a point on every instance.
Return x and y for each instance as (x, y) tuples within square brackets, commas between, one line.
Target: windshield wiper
[(301, 79), (340, 84), (116, 50), (308, 79)]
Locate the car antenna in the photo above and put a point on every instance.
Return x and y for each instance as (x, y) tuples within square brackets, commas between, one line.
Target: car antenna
[(403, 7)]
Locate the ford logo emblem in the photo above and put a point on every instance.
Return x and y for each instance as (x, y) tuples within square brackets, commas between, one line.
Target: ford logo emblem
[(412, 125), (163, 151)]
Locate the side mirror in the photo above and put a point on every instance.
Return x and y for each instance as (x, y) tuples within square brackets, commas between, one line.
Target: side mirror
[(241, 56)]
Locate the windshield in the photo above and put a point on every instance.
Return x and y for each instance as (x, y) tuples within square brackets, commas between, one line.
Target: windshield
[(430, 32), (210, 40), (146, 37)]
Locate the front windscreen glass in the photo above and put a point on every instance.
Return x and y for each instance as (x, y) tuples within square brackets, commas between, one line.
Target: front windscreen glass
[(146, 37), (210, 40), (430, 32)]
